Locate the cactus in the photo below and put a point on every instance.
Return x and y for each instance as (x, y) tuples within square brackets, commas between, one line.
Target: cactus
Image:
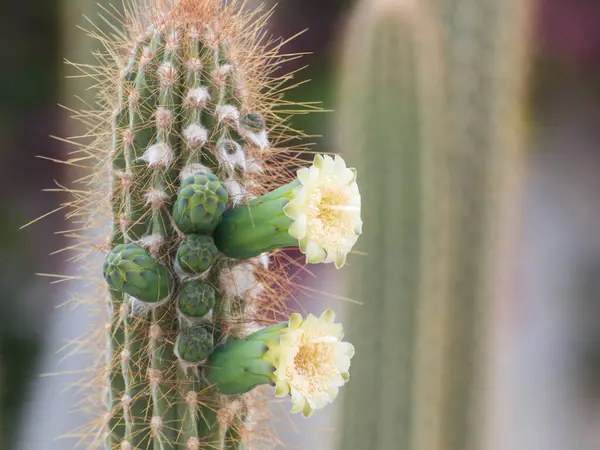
[(189, 116), (429, 108)]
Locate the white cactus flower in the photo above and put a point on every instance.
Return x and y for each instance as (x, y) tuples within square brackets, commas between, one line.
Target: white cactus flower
[(311, 361), (326, 211)]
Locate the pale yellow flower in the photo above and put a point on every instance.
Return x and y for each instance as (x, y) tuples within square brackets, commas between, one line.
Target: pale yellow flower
[(311, 361), (326, 211)]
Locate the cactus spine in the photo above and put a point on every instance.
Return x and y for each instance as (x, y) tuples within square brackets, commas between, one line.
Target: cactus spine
[(439, 143), (196, 320)]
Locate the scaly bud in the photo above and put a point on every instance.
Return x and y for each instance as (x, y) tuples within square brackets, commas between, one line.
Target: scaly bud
[(129, 269)]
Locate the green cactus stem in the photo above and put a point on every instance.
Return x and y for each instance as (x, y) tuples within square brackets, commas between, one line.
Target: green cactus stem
[(429, 100), (188, 97)]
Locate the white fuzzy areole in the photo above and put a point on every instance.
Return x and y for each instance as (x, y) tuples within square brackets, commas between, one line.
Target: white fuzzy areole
[(237, 192), (194, 65), (240, 281), (197, 97), (228, 113), (167, 74), (163, 118), (153, 243), (260, 139), (193, 169), (236, 158), (193, 443), (147, 56), (156, 425), (195, 135), (158, 155), (140, 308), (264, 260), (156, 198), (254, 165)]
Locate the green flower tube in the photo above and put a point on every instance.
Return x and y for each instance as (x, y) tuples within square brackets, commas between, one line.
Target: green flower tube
[(305, 359), (319, 212)]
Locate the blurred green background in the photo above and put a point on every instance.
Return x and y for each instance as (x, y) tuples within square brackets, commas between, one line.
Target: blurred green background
[(552, 348)]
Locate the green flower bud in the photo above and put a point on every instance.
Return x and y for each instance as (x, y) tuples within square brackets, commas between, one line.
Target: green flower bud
[(201, 201), (194, 344), (129, 269), (196, 253), (196, 299)]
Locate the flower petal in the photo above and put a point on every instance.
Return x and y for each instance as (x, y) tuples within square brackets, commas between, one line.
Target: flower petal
[(327, 316), (307, 410), (315, 253), (295, 321), (282, 388), (298, 228)]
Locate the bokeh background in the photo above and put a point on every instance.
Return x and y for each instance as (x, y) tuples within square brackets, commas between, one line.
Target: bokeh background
[(548, 352)]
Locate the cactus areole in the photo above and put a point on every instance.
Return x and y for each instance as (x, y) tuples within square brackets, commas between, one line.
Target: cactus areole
[(202, 199)]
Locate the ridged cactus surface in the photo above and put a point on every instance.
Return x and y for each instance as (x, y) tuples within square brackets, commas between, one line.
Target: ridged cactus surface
[(191, 131), (429, 109)]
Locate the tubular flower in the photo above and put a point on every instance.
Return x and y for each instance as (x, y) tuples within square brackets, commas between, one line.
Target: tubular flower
[(311, 361), (319, 212), (305, 359)]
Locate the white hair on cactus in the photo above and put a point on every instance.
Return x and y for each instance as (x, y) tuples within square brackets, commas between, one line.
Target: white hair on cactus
[(195, 135), (153, 243), (194, 65), (158, 155), (193, 169), (156, 425), (147, 56), (240, 281), (254, 165), (228, 113), (156, 198), (260, 139), (193, 443), (221, 74), (197, 97), (167, 74), (163, 118), (231, 154), (237, 192), (140, 308), (264, 260), (193, 33), (172, 42)]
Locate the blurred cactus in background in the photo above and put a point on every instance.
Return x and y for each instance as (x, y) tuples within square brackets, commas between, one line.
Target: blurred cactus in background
[(197, 202), (429, 109)]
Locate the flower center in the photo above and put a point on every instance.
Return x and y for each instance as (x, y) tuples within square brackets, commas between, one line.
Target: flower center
[(330, 216), (313, 366)]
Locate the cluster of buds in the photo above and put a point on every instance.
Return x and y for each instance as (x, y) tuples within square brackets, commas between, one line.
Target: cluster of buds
[(319, 213)]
